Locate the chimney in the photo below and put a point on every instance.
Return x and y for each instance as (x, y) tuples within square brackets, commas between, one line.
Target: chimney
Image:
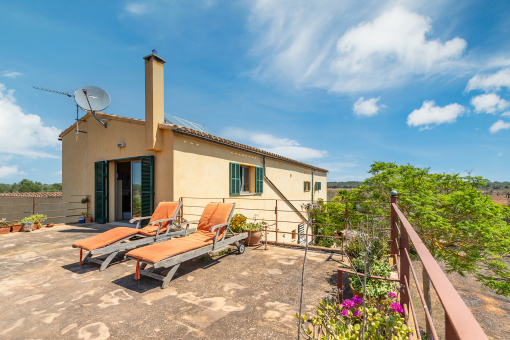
[(154, 100)]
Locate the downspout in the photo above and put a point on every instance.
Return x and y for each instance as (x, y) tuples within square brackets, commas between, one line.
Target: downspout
[(282, 196)]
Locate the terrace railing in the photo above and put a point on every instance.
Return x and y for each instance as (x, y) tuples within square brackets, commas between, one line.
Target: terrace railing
[(460, 324), (61, 209)]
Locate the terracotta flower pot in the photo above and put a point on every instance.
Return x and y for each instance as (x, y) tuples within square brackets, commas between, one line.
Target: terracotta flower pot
[(253, 239), (88, 219), (37, 225), (49, 225), (5, 230), (356, 293), (16, 227)]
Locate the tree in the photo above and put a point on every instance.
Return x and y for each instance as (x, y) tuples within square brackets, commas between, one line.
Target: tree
[(461, 227)]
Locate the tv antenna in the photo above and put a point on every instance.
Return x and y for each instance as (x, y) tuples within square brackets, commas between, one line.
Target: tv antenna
[(70, 96), (469, 171), (92, 98)]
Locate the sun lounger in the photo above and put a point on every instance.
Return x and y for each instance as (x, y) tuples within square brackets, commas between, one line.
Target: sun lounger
[(122, 238), (211, 234)]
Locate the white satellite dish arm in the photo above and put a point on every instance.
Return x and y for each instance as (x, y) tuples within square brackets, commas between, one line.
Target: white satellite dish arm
[(93, 112)]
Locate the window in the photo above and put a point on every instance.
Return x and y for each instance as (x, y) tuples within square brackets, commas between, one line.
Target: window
[(245, 179), (307, 186), (318, 186)]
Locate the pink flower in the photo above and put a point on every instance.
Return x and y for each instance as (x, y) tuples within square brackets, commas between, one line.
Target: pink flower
[(348, 304), (396, 307), (392, 295), (345, 312), (357, 300), (357, 314)]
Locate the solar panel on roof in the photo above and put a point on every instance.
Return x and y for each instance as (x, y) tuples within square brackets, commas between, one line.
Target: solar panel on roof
[(169, 119)]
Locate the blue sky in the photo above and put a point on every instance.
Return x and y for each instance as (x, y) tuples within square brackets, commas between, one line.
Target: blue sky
[(337, 84)]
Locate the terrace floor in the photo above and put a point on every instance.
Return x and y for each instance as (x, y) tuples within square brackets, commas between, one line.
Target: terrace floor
[(46, 294)]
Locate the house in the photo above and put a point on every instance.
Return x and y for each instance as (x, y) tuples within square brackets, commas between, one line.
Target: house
[(134, 164)]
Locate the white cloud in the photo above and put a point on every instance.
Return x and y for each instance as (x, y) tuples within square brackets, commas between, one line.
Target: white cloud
[(11, 74), (499, 125), (280, 146), (500, 154), (24, 134), (136, 8), (58, 172), (366, 108), (7, 171), (492, 82), (505, 114), (488, 103), (430, 113), (326, 44)]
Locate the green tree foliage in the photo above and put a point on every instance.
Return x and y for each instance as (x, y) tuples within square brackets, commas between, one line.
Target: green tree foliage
[(26, 185), (460, 226)]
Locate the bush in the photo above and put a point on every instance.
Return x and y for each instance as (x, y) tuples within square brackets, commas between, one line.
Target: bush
[(374, 287), (237, 223), (35, 218)]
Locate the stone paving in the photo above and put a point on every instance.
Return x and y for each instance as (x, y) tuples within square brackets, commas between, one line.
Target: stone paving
[(46, 294)]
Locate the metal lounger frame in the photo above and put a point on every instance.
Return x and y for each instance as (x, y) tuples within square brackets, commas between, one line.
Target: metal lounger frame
[(114, 248), (175, 261)]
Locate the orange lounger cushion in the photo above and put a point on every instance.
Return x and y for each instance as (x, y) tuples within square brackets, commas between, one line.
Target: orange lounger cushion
[(106, 238), (163, 211), (160, 251)]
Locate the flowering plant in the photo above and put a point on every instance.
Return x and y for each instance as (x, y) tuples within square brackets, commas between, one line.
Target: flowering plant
[(382, 319)]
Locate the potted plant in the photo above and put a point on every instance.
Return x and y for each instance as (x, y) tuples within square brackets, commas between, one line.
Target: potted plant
[(16, 227), (253, 230), (87, 216), (237, 223), (36, 221), (4, 227), (85, 200)]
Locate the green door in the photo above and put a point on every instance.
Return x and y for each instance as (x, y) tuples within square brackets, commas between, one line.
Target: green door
[(101, 192), (147, 188)]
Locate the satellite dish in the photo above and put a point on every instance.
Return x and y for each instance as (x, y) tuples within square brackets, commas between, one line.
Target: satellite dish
[(92, 98)]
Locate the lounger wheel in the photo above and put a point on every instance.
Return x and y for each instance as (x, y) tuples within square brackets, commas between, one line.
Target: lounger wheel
[(240, 248)]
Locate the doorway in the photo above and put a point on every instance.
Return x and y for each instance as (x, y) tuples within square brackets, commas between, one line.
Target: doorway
[(128, 190)]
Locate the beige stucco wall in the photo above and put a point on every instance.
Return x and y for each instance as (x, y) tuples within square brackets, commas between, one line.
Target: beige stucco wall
[(201, 175), (99, 144), (187, 167)]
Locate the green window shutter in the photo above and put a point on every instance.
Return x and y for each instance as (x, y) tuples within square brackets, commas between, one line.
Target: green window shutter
[(304, 186), (235, 178), (259, 180), (319, 185), (101, 192), (147, 188)]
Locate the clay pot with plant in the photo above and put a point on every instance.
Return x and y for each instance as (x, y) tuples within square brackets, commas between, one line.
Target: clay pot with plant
[(87, 216), (36, 220), (253, 230), (4, 227), (16, 227)]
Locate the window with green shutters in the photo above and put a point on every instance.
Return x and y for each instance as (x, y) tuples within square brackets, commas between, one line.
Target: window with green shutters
[(147, 188), (259, 180), (235, 178), (101, 192), (307, 186), (318, 186)]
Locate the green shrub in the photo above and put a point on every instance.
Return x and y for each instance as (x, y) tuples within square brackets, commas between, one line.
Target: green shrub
[(35, 218)]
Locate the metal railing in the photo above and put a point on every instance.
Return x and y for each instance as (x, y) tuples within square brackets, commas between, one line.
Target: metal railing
[(460, 324), (61, 207)]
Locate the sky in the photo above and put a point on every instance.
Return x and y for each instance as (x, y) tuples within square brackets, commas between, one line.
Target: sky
[(337, 84)]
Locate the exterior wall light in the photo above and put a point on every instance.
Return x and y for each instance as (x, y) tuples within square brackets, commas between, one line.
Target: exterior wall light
[(121, 145)]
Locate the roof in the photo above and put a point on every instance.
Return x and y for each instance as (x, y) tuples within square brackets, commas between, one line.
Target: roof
[(197, 134), (169, 119), (226, 142), (32, 194)]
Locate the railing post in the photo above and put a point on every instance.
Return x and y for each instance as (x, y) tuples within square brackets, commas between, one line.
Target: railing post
[(426, 296), (394, 230), (276, 218), (404, 264)]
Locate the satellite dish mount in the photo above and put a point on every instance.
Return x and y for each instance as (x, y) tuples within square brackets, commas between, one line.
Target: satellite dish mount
[(92, 98)]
